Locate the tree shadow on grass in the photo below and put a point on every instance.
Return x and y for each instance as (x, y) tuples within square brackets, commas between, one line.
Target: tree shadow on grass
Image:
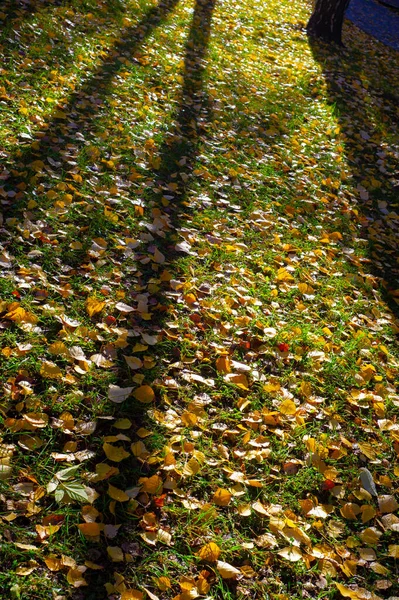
[(361, 87), (27, 174)]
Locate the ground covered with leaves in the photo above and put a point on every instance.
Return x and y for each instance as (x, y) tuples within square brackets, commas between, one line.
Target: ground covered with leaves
[(199, 304)]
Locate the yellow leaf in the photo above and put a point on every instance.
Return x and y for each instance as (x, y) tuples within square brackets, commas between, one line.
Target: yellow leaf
[(117, 494), (238, 379), (115, 453), (271, 387), (290, 553), (191, 468), (138, 448), (75, 576), (221, 497), (115, 553), (122, 424), (283, 275), (50, 370), (58, 348), (19, 315), (226, 570), (91, 565), (90, 529), (368, 513), (163, 583), (223, 364), (132, 595), (370, 536), (244, 510), (210, 552), (306, 389), (133, 362), (144, 393), (350, 511), (26, 569), (151, 485), (288, 407), (53, 563), (259, 508), (189, 419), (393, 550), (346, 591), (94, 306)]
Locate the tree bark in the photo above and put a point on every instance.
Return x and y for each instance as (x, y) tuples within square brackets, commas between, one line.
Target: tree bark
[(327, 20)]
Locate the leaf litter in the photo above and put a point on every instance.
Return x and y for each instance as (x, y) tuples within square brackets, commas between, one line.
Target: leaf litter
[(199, 304)]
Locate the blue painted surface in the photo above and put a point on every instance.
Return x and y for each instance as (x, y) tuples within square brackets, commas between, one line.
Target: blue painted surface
[(375, 19)]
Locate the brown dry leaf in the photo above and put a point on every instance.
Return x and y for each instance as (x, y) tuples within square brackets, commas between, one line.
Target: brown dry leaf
[(222, 497), (144, 394), (89, 513), (210, 552), (94, 306), (387, 504), (115, 453), (226, 570)]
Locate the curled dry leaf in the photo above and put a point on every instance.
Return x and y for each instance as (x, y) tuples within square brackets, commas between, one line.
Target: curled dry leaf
[(290, 553), (226, 570)]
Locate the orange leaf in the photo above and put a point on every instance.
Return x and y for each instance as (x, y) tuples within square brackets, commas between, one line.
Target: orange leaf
[(144, 393)]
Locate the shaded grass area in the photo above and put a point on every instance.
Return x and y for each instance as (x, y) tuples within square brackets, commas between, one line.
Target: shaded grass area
[(190, 186)]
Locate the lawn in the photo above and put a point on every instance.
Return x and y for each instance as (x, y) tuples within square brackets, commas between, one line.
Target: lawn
[(199, 304)]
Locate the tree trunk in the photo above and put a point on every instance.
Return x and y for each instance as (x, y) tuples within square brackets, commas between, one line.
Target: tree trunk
[(327, 20)]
